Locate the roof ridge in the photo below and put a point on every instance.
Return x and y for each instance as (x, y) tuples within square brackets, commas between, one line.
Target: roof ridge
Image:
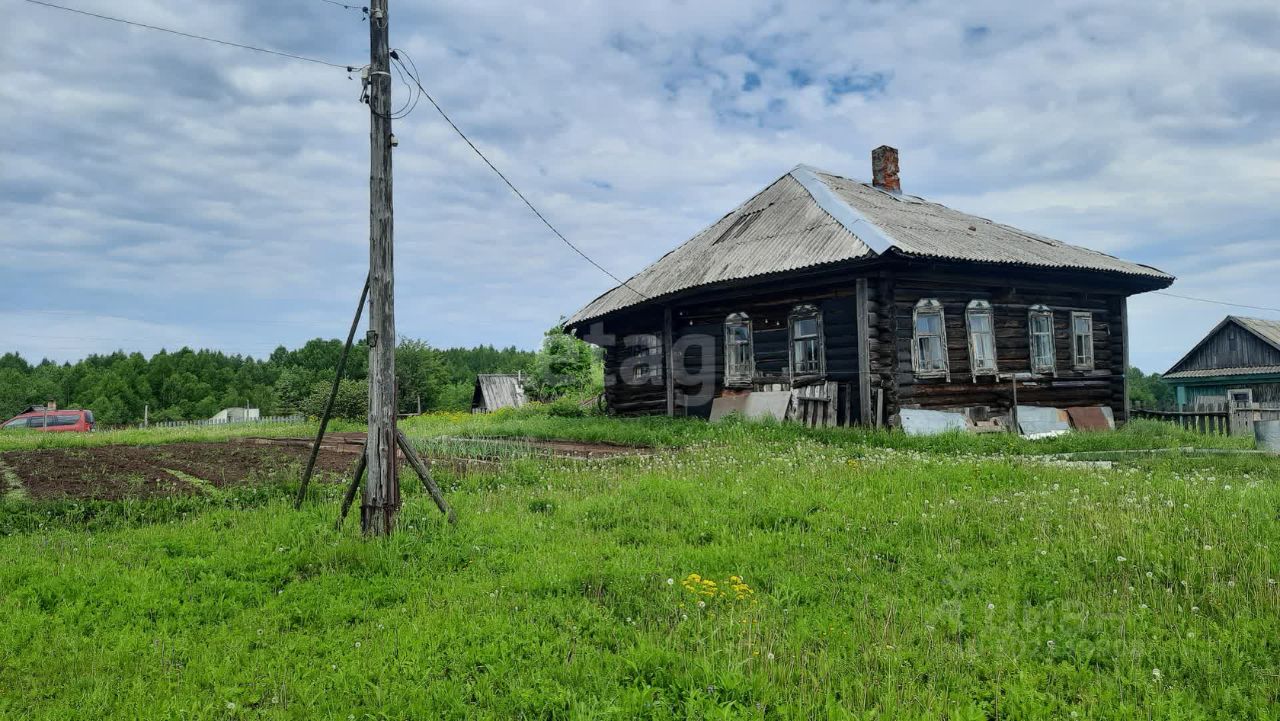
[(858, 222), (850, 217)]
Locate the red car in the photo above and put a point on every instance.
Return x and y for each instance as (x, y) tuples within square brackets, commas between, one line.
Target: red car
[(64, 419)]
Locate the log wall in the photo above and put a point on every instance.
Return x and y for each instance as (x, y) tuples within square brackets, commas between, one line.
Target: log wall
[(893, 288), (1101, 385)]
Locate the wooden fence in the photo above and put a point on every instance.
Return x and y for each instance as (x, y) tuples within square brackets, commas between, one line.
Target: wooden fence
[(1219, 418), (226, 422)]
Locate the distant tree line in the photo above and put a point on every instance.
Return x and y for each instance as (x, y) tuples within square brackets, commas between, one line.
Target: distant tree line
[(193, 384), (1149, 390)]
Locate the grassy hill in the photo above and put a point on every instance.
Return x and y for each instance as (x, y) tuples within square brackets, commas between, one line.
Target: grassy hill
[(756, 572)]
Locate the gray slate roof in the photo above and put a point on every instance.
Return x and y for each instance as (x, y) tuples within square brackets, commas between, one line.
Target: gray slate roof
[(810, 217), (1268, 330), (1215, 372), (497, 390)]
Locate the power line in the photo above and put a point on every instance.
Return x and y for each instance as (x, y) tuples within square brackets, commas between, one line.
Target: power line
[(1218, 302), (228, 43), (413, 76), (348, 7)]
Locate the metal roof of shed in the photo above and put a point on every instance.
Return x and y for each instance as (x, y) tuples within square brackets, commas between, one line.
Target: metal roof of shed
[(810, 217)]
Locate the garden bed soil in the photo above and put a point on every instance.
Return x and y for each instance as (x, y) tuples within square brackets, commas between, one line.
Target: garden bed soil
[(116, 472)]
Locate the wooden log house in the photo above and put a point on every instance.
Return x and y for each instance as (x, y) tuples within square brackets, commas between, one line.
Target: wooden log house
[(875, 301), (1237, 362)]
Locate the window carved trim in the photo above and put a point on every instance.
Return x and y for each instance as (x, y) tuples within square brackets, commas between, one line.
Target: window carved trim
[(806, 345), (1082, 330), (739, 351), (929, 340), (980, 327), (1042, 351)]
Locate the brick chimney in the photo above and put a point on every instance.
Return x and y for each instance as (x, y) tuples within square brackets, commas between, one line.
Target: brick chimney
[(884, 169)]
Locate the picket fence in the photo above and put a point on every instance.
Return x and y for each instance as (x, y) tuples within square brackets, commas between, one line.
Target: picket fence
[(296, 418), (1214, 418)]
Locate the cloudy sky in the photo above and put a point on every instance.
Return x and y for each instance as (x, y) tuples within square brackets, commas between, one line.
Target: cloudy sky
[(157, 191)]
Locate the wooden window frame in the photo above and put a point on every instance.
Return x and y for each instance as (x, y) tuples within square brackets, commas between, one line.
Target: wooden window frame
[(1079, 362), (735, 377), (647, 346), (1231, 404), (806, 311), (925, 307), (1041, 311), (981, 308)]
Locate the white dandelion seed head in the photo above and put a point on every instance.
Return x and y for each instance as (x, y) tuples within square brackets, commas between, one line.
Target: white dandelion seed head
[(671, 581)]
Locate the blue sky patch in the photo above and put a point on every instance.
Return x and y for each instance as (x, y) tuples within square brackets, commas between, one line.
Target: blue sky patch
[(865, 84)]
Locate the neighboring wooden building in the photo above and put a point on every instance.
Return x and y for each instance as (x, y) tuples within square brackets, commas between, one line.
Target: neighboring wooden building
[(1239, 360), (497, 390), (873, 302)]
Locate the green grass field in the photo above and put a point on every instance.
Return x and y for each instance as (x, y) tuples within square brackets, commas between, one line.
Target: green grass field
[(756, 572)]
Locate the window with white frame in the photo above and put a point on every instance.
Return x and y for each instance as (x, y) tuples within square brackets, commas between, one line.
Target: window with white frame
[(739, 360), (929, 339), (982, 337), (1082, 340), (808, 356), (646, 357), (1040, 327)]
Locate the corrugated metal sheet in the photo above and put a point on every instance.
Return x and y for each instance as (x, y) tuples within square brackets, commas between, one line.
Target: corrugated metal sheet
[(1268, 330), (787, 231), (788, 227), (920, 228), (1215, 372), (497, 390)]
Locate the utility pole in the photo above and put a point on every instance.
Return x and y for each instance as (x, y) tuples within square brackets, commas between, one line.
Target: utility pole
[(381, 502), (380, 460)]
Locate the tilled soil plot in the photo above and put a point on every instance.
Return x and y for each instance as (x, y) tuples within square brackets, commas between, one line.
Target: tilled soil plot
[(115, 472)]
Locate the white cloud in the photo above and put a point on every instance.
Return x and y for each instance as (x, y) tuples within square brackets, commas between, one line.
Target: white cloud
[(191, 185)]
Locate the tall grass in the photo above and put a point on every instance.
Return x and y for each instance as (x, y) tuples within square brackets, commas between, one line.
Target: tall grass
[(665, 432), (943, 581)]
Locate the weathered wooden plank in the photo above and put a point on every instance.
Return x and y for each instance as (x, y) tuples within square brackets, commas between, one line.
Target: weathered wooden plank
[(668, 363), (865, 312)]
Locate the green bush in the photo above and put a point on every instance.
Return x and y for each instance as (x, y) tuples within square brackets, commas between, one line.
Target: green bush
[(566, 407)]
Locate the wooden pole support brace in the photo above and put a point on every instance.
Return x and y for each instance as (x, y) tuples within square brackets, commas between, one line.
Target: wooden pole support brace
[(425, 474), (333, 396), (350, 495), (418, 466)]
